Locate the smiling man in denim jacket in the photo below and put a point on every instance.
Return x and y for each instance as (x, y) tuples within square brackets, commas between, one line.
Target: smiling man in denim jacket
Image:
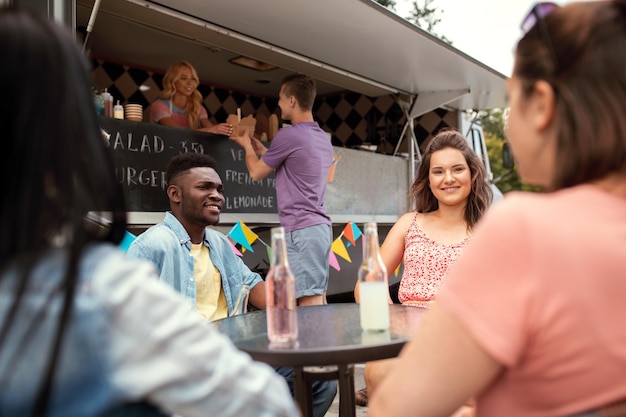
[(195, 260), (198, 261)]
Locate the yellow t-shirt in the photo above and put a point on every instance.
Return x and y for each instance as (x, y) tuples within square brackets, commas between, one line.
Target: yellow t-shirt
[(210, 299)]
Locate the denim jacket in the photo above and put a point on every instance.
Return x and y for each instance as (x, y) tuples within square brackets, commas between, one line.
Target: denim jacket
[(129, 338), (167, 245)]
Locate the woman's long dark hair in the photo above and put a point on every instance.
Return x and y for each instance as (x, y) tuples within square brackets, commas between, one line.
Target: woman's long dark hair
[(480, 195), (54, 163), (588, 74)]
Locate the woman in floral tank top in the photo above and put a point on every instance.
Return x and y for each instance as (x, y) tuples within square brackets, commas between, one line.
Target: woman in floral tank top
[(451, 193), (426, 262)]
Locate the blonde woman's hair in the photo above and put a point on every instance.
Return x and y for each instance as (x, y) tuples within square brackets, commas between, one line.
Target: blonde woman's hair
[(192, 108)]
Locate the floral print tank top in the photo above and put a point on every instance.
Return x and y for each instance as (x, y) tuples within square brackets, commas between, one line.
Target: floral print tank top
[(426, 263)]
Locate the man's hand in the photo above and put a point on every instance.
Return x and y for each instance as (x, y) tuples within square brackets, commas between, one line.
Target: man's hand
[(258, 146), (256, 167), (243, 140)]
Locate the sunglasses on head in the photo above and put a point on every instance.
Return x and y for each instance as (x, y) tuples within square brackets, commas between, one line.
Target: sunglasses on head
[(537, 15)]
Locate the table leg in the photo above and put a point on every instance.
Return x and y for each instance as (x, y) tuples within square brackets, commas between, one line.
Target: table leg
[(301, 393), (346, 391)]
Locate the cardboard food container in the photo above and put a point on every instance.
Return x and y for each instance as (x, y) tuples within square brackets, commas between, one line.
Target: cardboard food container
[(239, 126), (272, 126), (261, 129)]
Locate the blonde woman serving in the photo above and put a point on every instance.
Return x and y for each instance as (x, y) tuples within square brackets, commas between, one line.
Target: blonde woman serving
[(180, 102)]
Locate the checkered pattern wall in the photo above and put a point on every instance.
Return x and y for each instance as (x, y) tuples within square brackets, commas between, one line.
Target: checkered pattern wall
[(353, 119)]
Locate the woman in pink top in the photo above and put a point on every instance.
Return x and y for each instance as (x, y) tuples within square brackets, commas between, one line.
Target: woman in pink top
[(531, 318), (450, 193), (180, 103)]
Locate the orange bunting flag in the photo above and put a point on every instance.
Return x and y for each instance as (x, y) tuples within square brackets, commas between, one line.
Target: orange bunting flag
[(348, 233), (339, 249)]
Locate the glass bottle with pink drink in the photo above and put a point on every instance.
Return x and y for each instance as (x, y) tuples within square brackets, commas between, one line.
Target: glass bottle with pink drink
[(280, 285)]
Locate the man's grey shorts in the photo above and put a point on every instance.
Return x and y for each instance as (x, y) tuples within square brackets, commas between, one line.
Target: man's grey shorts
[(307, 252)]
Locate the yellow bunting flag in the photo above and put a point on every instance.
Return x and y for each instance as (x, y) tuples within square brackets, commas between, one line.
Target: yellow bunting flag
[(339, 248), (250, 235)]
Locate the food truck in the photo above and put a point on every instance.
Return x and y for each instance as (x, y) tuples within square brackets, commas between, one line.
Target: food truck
[(384, 85)]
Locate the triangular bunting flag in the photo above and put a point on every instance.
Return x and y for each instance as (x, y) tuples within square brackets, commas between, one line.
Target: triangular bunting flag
[(234, 248), (397, 270), (332, 261), (238, 235), (269, 253), (356, 232), (250, 235), (340, 249), (349, 233), (127, 240)]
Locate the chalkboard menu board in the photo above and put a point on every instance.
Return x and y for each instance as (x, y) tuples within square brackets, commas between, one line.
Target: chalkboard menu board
[(141, 152)]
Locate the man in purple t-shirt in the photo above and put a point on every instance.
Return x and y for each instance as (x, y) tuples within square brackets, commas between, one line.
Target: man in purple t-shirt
[(301, 154)]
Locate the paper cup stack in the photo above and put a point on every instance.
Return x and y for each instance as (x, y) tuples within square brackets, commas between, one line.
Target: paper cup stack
[(134, 112)]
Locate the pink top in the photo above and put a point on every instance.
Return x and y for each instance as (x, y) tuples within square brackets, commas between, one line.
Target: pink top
[(165, 108), (426, 263), (542, 288)]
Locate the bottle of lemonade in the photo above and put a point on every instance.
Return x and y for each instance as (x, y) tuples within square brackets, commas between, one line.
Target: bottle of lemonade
[(373, 288)]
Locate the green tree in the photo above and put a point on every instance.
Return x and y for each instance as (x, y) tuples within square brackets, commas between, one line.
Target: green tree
[(424, 16), (390, 4), (493, 126)]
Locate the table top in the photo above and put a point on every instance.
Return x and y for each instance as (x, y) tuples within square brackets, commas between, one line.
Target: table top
[(328, 335)]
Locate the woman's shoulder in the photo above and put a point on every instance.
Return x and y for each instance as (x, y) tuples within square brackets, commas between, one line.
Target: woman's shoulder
[(159, 109), (416, 219), (409, 217), (160, 102), (407, 221)]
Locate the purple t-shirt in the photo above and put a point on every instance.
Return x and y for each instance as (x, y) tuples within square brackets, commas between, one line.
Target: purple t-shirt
[(301, 155)]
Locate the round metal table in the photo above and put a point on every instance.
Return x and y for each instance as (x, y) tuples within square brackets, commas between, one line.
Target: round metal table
[(328, 335)]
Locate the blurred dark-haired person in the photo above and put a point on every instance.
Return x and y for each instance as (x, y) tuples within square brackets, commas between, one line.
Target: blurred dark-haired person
[(84, 331), (531, 318)]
